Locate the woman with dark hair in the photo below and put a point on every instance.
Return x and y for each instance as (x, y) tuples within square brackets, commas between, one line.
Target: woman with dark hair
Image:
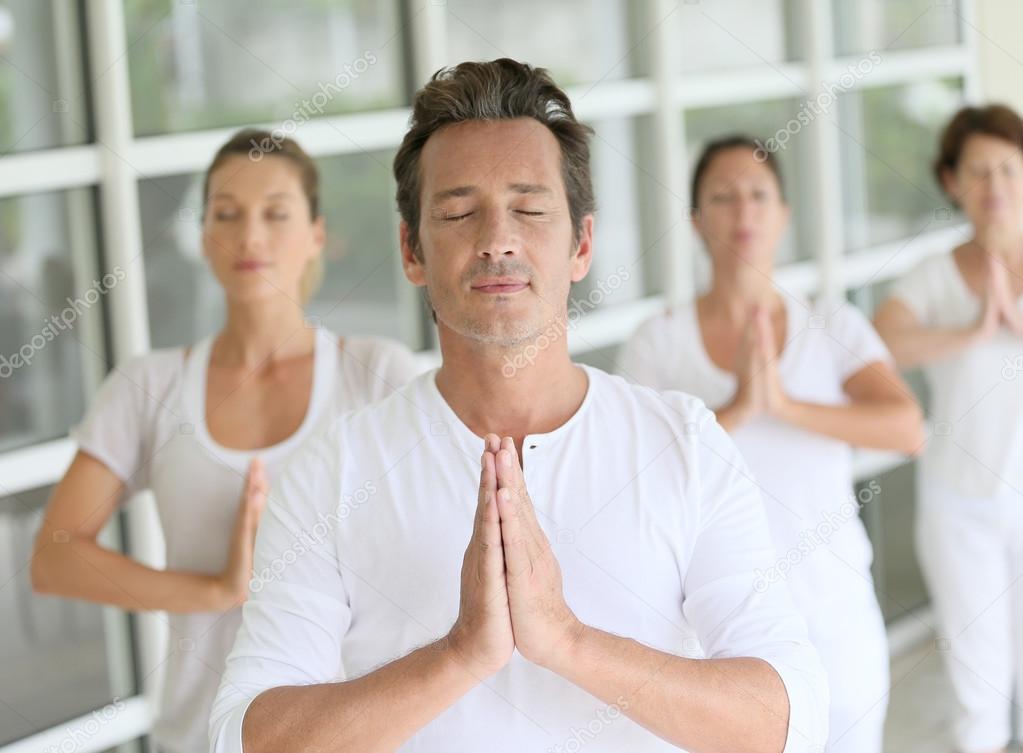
[(959, 316), (797, 384), (204, 427)]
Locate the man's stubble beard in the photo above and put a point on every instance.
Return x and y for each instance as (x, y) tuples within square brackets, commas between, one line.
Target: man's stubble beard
[(489, 331)]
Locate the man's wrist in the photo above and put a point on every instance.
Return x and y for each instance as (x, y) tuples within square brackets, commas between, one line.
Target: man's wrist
[(453, 663), (570, 650)]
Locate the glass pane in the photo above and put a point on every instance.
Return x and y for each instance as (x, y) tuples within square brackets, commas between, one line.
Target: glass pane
[(888, 137), (201, 65), (761, 120), (363, 286), (42, 102), (577, 40), (885, 25), (734, 33), (49, 307), (54, 655), (621, 182)]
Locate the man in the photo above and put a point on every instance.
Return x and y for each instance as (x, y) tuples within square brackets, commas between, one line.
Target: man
[(516, 559)]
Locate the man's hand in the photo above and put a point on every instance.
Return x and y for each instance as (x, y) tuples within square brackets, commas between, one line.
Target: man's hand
[(545, 628), (481, 638)]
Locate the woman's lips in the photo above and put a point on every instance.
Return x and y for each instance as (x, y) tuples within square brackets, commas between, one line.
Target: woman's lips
[(249, 265)]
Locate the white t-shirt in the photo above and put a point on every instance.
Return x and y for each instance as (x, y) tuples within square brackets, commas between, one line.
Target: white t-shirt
[(976, 447), (806, 479), (147, 425), (649, 511)]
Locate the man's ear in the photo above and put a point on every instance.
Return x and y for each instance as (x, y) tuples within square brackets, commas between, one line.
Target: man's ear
[(582, 257), (411, 263)]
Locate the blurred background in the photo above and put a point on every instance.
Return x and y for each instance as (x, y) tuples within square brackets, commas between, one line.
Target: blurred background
[(110, 110)]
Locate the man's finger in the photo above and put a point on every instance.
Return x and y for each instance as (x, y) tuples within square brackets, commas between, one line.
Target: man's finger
[(485, 545), (511, 479), (515, 540)]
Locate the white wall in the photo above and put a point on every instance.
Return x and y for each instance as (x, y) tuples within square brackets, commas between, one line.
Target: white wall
[(1000, 51)]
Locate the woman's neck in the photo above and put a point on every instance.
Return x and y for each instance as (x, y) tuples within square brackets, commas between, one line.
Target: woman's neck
[(731, 297), (263, 331)]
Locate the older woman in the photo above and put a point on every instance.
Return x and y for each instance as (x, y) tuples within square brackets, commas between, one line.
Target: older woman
[(959, 316)]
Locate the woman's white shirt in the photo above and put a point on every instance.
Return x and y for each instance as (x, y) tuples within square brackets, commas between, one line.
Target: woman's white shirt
[(976, 402), (805, 478), (147, 425)]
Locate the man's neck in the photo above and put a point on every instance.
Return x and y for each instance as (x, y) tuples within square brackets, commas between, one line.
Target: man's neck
[(493, 389)]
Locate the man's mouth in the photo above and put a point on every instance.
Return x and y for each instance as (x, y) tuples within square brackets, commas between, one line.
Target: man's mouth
[(499, 285)]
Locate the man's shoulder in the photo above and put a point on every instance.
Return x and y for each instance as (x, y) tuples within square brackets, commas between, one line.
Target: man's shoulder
[(615, 394)]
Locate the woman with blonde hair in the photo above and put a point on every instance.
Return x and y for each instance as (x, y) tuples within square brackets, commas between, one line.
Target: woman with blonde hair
[(205, 427)]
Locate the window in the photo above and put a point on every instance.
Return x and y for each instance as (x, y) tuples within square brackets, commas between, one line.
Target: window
[(724, 34), (578, 41), (204, 65), (907, 24), (889, 137), (93, 188), (50, 303), (42, 101), (55, 655)]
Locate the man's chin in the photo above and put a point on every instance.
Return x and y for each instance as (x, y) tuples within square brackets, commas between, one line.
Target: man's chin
[(498, 332)]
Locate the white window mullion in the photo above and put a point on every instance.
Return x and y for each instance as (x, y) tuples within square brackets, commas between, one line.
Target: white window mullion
[(122, 234), (825, 195), (672, 197)]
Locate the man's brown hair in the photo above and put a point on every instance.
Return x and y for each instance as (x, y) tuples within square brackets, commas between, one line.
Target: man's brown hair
[(501, 89)]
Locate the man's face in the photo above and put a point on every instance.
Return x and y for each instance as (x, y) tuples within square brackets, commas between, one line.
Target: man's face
[(496, 251)]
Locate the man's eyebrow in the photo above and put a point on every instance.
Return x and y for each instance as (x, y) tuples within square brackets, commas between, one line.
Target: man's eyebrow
[(460, 191), (453, 193), (529, 188)]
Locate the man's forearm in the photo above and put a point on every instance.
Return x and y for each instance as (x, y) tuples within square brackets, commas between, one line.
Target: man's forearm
[(702, 705), (375, 712)]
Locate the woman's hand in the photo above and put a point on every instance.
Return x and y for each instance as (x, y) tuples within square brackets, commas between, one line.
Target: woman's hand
[(1000, 298), (235, 578)]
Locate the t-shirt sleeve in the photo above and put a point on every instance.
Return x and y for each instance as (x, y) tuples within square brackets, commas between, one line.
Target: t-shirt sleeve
[(297, 611), (735, 610), (116, 428), (915, 290), (856, 342), (642, 358)]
